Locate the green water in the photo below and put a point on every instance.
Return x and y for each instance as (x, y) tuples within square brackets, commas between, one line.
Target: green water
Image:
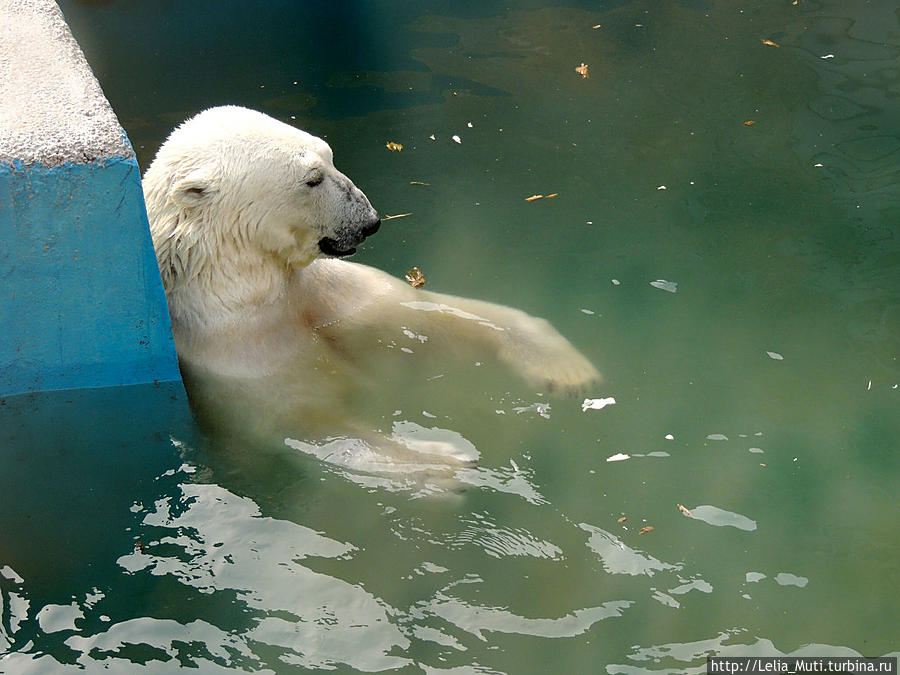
[(762, 394)]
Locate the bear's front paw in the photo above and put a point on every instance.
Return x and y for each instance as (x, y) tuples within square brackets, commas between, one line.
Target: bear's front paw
[(570, 376), (548, 361)]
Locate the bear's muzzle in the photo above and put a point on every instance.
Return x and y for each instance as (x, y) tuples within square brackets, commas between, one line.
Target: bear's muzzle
[(341, 248)]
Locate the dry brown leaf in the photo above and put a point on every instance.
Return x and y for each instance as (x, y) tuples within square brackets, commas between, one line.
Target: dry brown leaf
[(399, 215), (645, 530), (599, 25), (394, 147), (552, 196), (582, 70), (686, 511), (533, 198), (770, 43), (415, 277), (622, 519), (749, 123)]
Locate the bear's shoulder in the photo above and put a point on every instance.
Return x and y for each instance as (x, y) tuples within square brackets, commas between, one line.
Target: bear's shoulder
[(334, 290)]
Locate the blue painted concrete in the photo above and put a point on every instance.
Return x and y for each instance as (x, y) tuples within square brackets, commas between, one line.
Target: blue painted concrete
[(81, 301)]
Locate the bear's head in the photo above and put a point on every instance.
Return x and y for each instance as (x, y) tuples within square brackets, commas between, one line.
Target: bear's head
[(234, 187)]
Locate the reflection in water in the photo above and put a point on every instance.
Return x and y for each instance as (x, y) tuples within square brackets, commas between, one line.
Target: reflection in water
[(280, 611), (222, 543), (620, 559), (720, 517)]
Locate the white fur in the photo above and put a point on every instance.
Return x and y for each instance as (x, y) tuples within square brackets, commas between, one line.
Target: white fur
[(268, 331)]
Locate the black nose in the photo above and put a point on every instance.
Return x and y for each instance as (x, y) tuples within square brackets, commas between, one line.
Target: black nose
[(371, 228)]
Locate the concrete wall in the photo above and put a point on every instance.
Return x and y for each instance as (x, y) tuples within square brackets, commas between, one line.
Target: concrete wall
[(81, 302)]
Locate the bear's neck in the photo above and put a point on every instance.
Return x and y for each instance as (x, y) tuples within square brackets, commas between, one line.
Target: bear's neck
[(229, 287)]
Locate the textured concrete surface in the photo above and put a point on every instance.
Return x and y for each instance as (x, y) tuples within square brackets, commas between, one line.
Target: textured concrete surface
[(81, 301), (53, 110)]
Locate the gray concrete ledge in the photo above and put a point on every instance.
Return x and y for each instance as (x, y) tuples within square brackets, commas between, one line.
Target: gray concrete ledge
[(52, 110)]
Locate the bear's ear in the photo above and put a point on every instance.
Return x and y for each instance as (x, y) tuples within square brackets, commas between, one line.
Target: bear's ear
[(192, 190)]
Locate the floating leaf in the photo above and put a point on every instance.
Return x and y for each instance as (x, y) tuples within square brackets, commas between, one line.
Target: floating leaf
[(533, 198), (552, 196), (686, 511), (622, 519), (393, 147), (415, 277), (582, 70), (770, 43), (599, 25), (399, 215), (749, 123), (645, 530), (418, 182)]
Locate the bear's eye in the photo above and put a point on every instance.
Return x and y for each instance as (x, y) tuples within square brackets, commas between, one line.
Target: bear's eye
[(316, 179)]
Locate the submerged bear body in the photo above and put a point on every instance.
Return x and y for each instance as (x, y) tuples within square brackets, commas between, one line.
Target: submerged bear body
[(249, 217)]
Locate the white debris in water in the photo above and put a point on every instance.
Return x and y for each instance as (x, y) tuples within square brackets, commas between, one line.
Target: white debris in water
[(456, 138), (513, 464), (757, 450), (542, 409), (432, 137), (469, 124), (663, 285), (618, 457), (587, 311), (754, 577), (670, 437), (596, 403), (616, 282), (661, 187), (717, 437), (827, 56), (775, 356)]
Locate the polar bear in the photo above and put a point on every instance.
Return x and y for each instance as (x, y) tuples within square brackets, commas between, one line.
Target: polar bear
[(250, 220)]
